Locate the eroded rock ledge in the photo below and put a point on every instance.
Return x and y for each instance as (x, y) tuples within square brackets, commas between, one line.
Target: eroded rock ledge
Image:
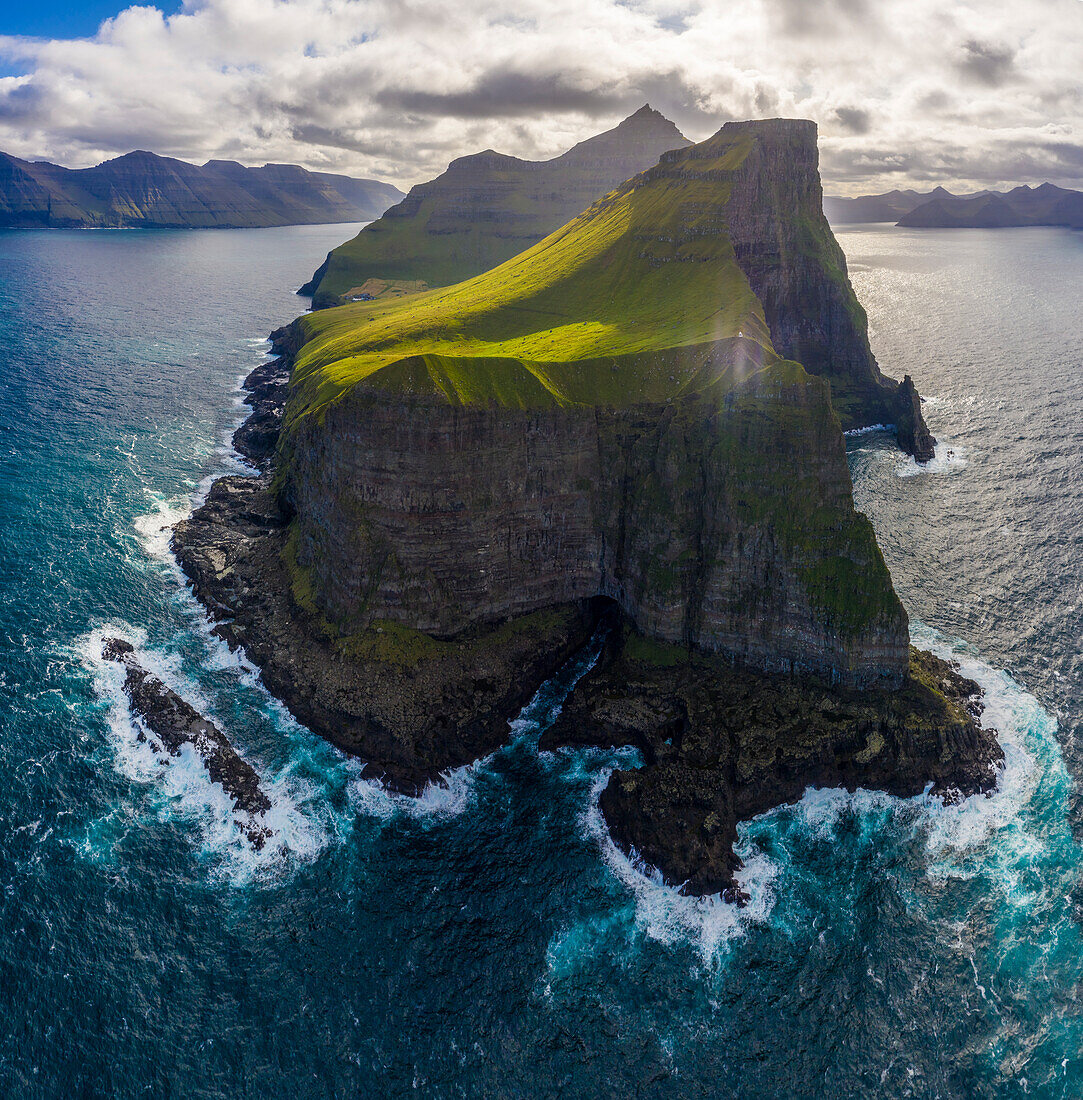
[(175, 724), (722, 744)]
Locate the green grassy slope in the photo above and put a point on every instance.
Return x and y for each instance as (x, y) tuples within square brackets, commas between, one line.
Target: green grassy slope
[(595, 314), (488, 207)]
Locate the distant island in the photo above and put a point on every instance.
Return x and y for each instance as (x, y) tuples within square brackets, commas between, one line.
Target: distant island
[(144, 190), (940, 209), (483, 210)]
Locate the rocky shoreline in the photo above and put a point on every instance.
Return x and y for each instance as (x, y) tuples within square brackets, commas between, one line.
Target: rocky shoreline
[(719, 744), (410, 712)]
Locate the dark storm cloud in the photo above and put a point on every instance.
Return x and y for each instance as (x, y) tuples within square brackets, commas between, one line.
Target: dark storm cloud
[(986, 63), (805, 17), (854, 119), (506, 93), (904, 90)]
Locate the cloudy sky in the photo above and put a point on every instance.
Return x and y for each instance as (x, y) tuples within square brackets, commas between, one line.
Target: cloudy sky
[(906, 92)]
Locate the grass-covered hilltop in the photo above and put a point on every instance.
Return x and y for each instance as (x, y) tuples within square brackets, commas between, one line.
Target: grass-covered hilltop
[(725, 240), (638, 419), (484, 209)]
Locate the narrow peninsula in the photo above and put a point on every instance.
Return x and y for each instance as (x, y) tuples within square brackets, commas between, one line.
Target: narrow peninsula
[(635, 422), (483, 210)]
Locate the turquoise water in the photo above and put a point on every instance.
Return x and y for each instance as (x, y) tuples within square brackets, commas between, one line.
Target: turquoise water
[(488, 940)]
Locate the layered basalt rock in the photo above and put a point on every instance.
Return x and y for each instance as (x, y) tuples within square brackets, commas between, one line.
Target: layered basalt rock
[(701, 520), (798, 271), (409, 705)]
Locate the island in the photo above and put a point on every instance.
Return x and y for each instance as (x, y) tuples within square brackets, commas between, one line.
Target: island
[(633, 427), (144, 190), (940, 209)]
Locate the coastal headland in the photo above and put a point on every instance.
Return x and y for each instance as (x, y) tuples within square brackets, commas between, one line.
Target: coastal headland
[(634, 425)]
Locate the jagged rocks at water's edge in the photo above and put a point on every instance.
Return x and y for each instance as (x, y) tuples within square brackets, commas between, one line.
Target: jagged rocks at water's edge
[(174, 723), (409, 708), (721, 744)]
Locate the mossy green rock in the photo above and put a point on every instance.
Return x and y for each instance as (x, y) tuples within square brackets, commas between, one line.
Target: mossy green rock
[(469, 477), (603, 414)]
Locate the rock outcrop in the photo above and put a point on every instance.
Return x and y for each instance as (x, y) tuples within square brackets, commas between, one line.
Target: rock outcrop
[(721, 744), (175, 724), (148, 191), (466, 480), (798, 271), (486, 208)]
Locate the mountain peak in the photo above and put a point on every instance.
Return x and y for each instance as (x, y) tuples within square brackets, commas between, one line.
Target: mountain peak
[(646, 117)]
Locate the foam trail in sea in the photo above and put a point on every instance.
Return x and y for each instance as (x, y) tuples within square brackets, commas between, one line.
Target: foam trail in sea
[(948, 458), (872, 429), (181, 789), (655, 910)]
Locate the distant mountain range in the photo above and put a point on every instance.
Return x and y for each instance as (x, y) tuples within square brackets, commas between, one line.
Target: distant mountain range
[(940, 209), (144, 190), (485, 209)]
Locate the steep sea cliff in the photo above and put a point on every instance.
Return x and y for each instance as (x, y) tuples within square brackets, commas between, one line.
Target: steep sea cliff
[(445, 529)]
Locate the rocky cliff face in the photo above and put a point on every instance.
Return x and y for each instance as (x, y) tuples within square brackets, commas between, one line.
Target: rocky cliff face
[(487, 207), (142, 189), (702, 520), (798, 271)]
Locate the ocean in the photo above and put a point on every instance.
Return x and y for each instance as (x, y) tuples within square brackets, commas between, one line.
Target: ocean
[(487, 940)]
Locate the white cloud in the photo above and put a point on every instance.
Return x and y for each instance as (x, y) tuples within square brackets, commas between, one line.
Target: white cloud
[(905, 91)]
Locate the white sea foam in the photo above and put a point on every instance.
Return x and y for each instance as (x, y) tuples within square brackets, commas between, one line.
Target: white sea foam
[(664, 914), (299, 821), (995, 836), (1000, 836), (154, 529), (948, 458), (854, 433)]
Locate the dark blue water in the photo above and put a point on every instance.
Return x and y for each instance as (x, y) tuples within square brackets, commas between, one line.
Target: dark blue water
[(488, 941)]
